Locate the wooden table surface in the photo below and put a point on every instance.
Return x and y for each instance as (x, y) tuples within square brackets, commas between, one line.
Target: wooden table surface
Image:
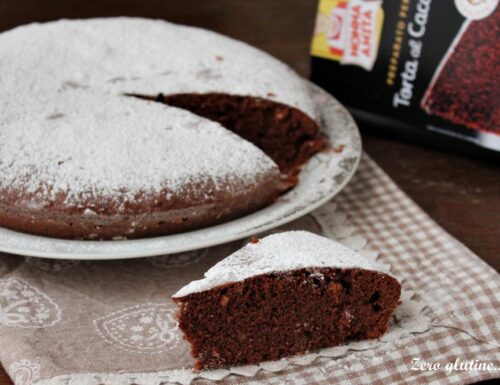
[(460, 193)]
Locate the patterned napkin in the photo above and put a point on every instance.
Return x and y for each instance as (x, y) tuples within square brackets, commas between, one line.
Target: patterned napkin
[(71, 322)]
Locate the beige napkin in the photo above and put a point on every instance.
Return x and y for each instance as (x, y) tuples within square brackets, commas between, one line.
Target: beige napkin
[(71, 322)]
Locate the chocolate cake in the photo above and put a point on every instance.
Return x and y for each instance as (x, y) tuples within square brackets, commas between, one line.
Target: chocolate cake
[(463, 89), (286, 294), (127, 127)]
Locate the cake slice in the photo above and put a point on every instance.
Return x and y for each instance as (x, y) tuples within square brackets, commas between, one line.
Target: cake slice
[(285, 294)]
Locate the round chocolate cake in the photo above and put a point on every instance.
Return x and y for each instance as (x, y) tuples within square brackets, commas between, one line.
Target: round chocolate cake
[(285, 294), (126, 127)]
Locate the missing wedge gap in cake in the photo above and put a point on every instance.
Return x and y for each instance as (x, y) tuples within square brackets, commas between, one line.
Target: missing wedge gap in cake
[(287, 135)]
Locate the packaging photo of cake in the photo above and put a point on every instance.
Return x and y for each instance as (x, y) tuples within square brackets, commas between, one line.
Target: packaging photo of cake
[(427, 72), (464, 93), (253, 192)]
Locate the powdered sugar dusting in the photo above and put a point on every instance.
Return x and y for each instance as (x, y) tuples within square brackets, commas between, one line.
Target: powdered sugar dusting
[(115, 145), (66, 125), (280, 252), (134, 55)]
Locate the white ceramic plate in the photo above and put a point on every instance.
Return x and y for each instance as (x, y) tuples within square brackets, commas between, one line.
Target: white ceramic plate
[(322, 178)]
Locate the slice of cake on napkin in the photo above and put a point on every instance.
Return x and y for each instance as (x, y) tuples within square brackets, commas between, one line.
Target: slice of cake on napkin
[(285, 294)]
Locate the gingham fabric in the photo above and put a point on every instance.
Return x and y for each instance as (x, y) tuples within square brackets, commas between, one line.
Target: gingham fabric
[(464, 293), (461, 291)]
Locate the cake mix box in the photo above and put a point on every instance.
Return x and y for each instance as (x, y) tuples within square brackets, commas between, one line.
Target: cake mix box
[(426, 69)]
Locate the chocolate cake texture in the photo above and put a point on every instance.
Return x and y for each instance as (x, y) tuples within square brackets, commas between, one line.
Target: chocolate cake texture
[(465, 87), (286, 294)]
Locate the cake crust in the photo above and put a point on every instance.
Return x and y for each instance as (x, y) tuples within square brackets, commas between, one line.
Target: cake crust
[(145, 216)]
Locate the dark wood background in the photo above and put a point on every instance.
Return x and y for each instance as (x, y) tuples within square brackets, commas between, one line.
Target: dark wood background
[(461, 194)]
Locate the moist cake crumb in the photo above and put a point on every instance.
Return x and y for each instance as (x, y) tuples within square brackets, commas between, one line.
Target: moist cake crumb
[(288, 294)]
